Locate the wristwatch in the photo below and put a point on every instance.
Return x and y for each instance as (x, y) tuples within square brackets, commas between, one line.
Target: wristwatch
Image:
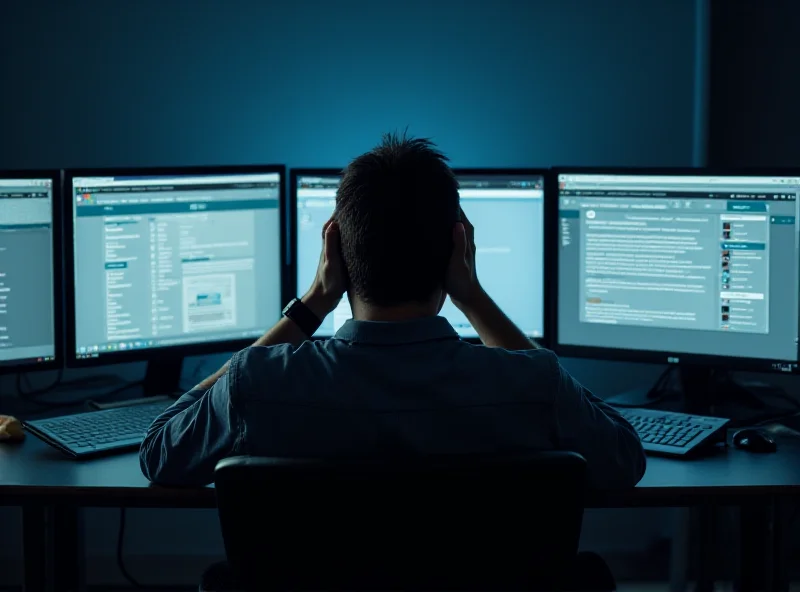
[(297, 312)]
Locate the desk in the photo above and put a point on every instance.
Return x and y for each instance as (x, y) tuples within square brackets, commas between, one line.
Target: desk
[(49, 486)]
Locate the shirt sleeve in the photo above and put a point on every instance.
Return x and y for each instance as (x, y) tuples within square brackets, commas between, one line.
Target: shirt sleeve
[(586, 425), (184, 444)]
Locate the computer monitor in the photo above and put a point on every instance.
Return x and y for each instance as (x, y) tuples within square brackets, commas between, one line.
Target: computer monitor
[(681, 267), (165, 263), (30, 271), (505, 205)]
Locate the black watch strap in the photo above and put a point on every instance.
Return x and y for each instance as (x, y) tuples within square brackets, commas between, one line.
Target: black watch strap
[(297, 312)]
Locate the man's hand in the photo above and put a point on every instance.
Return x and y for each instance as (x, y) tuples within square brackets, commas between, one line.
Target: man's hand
[(461, 282), (330, 283)]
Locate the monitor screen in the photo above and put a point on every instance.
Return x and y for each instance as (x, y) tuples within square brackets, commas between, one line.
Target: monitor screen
[(27, 273), (507, 210), (174, 260), (700, 264)]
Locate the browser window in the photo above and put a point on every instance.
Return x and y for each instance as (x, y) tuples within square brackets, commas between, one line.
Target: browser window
[(508, 214)]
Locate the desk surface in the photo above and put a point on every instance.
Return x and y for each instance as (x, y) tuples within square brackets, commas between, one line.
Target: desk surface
[(33, 471)]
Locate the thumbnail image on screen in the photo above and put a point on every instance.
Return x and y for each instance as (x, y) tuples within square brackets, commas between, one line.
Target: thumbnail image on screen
[(704, 265), (174, 260), (507, 211), (27, 308)]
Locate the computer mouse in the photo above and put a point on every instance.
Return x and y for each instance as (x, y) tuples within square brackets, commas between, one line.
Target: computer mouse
[(754, 441), (10, 429)]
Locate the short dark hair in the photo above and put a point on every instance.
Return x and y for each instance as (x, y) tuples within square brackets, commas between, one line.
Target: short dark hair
[(396, 207)]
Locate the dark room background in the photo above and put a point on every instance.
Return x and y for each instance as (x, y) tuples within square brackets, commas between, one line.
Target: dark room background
[(315, 82)]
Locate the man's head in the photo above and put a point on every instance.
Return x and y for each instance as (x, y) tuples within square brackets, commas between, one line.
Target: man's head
[(396, 208)]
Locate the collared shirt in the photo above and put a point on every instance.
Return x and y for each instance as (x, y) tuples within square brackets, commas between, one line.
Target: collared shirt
[(389, 389)]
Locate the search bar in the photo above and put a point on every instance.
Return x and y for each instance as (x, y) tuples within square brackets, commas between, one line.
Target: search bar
[(678, 180), (159, 181), (501, 193)]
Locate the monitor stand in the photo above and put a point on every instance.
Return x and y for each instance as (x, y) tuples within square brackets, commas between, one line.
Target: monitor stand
[(703, 389), (161, 382), (700, 388)]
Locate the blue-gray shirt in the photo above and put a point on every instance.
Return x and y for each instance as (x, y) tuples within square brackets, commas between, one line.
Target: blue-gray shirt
[(389, 389)]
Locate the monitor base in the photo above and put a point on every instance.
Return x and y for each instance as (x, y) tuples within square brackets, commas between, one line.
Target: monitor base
[(130, 402), (161, 382), (700, 389), (704, 389), (163, 376), (633, 398)]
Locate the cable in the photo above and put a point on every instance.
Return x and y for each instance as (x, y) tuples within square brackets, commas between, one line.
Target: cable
[(784, 396), (776, 418), (25, 389), (121, 559), (656, 394), (23, 378), (660, 389), (72, 402), (198, 370), (27, 392), (120, 552)]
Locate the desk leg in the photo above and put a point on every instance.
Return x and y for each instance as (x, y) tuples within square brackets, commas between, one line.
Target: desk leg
[(752, 552), (680, 553), (761, 561), (774, 575), (34, 548), (707, 564), (67, 550)]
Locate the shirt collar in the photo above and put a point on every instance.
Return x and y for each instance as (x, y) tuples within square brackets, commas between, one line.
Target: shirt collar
[(396, 333)]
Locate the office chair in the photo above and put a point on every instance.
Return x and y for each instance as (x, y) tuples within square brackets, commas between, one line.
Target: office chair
[(442, 523)]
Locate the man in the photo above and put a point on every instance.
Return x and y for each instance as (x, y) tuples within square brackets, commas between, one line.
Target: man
[(396, 379)]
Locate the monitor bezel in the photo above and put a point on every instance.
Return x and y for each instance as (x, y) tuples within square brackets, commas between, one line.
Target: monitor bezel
[(172, 351), (634, 355), (56, 209), (294, 174)]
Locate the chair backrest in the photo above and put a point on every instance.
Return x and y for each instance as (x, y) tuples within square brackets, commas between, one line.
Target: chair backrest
[(434, 523)]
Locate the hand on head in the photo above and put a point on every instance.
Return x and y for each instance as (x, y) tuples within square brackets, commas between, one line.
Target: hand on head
[(330, 282), (461, 282)]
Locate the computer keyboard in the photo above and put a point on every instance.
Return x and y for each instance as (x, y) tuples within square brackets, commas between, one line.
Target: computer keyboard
[(674, 434), (98, 432)]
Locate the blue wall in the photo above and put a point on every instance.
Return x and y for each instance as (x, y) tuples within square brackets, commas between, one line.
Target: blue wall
[(314, 83)]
